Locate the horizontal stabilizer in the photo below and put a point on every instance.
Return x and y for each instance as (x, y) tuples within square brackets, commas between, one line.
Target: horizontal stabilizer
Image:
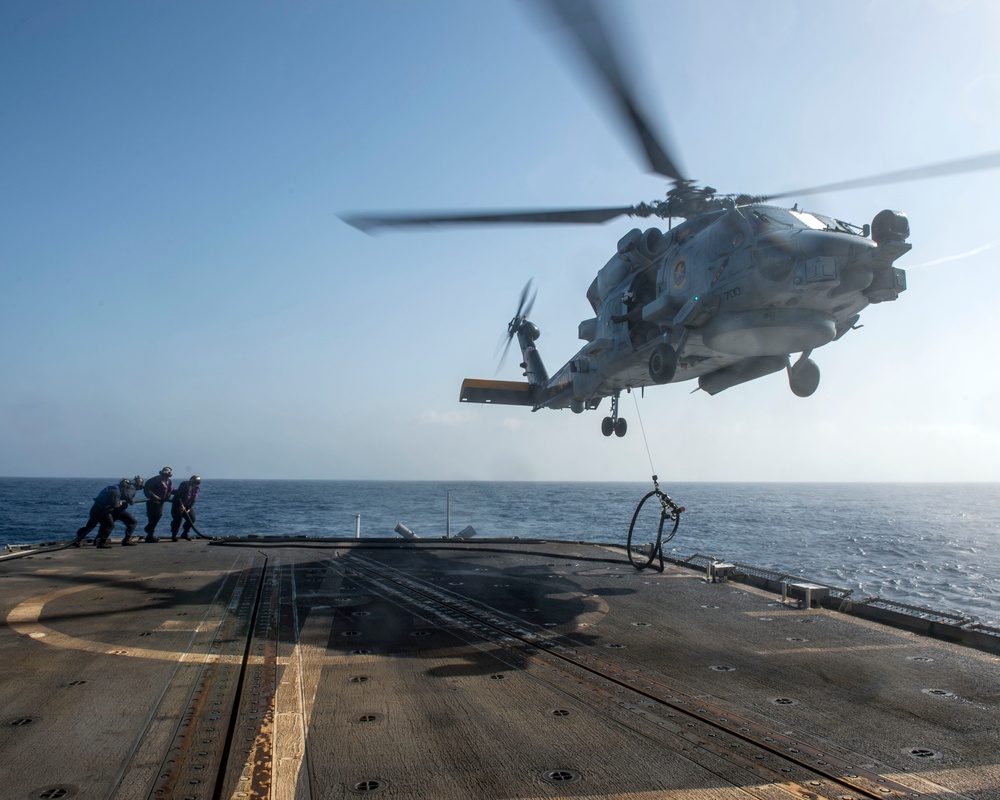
[(505, 393)]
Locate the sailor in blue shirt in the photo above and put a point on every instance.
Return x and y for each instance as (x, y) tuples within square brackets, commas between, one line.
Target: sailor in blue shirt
[(110, 505), (126, 516)]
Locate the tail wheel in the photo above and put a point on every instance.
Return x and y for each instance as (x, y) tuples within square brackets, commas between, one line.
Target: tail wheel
[(607, 426), (662, 363), (621, 428)]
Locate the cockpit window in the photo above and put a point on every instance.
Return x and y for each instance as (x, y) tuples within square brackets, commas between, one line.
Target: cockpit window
[(809, 220), (765, 218), (770, 218), (836, 224)]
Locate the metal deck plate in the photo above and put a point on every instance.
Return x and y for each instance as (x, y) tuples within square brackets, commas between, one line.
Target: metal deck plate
[(458, 670)]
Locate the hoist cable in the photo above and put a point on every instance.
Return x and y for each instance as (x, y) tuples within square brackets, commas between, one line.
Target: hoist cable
[(642, 428), (669, 510)]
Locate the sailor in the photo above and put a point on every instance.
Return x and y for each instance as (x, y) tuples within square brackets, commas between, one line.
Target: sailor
[(108, 506), (157, 491), (185, 497), (123, 514)]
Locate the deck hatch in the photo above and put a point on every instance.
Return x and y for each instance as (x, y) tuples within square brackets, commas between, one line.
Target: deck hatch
[(562, 776), (53, 792), (368, 786)]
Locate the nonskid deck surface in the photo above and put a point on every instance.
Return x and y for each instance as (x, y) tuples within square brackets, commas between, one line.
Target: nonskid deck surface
[(464, 670)]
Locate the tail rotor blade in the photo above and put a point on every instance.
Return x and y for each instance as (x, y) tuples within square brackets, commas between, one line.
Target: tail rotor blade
[(523, 298), (525, 304), (503, 355)]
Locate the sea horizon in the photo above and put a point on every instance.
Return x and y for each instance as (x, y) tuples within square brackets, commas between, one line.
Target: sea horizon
[(929, 544)]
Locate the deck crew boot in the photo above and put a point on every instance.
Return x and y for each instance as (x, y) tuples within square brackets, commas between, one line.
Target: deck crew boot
[(104, 544), (150, 538), (128, 541)]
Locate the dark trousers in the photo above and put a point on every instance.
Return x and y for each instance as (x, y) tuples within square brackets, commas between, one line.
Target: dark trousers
[(154, 511), (99, 515), (126, 516), (177, 517)]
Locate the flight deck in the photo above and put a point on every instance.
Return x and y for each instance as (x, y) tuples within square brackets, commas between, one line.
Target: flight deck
[(277, 668)]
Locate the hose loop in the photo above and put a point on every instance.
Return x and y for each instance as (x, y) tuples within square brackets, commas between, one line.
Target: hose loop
[(669, 510)]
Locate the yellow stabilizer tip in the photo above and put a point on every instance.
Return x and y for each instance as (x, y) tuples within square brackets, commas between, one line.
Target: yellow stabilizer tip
[(510, 393)]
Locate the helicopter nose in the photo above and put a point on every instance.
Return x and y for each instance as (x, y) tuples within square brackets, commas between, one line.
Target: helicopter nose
[(816, 260), (826, 244), (830, 260)]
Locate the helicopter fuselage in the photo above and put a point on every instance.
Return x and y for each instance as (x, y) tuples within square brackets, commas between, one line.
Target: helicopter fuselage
[(724, 298)]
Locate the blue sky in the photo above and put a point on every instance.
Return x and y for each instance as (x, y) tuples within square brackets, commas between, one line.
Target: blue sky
[(176, 286)]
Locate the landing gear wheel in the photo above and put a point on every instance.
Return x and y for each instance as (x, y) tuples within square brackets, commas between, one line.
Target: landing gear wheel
[(662, 363), (803, 377), (614, 424)]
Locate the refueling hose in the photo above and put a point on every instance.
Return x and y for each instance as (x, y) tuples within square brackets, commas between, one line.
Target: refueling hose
[(46, 547), (668, 510), (191, 523)]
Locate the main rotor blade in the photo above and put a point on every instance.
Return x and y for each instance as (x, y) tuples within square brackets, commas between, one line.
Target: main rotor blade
[(974, 164), (574, 216), (592, 36)]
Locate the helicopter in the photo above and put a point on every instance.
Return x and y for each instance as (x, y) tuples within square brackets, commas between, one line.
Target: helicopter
[(739, 289)]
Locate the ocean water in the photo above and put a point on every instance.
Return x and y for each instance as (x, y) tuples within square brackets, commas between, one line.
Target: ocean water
[(930, 545)]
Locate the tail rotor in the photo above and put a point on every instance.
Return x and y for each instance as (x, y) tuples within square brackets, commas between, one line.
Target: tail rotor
[(524, 306)]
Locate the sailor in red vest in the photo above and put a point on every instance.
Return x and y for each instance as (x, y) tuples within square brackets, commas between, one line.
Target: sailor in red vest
[(185, 497), (157, 490)]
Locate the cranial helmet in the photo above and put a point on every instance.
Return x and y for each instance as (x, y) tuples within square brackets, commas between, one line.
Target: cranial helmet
[(166, 472), (196, 479), (124, 482), (138, 482)]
